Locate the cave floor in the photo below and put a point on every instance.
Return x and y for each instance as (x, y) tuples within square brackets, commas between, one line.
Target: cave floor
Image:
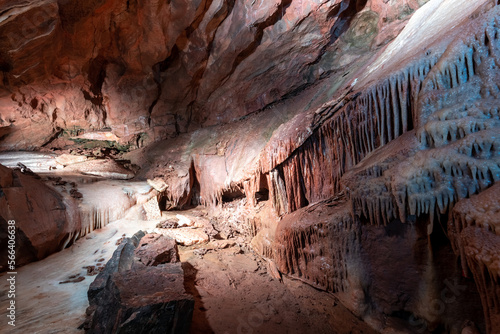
[(235, 294), (233, 291)]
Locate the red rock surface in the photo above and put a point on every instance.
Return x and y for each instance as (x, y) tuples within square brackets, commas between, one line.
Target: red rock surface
[(475, 236), (155, 249), (362, 125), (26, 200), (152, 70)]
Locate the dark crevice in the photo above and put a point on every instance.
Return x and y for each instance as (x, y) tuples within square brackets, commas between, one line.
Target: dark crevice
[(232, 194), (97, 74), (5, 66), (56, 135), (259, 33), (162, 66), (195, 194), (95, 100), (157, 79), (198, 19)]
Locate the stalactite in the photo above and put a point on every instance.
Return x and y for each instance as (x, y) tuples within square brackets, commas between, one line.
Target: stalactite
[(317, 246), (307, 157), (481, 211), (481, 253), (460, 140), (438, 178), (278, 192), (378, 115)]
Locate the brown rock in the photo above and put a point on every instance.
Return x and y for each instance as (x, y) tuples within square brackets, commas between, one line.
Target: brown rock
[(185, 236), (43, 217), (158, 184), (475, 235), (152, 209), (107, 168), (146, 299), (130, 297), (169, 223), (155, 249)]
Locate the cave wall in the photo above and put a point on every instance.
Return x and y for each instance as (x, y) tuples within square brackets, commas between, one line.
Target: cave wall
[(401, 142), (406, 153), (373, 125), (156, 69)]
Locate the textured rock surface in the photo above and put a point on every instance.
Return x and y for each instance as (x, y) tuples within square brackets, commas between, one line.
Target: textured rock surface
[(474, 232), (122, 260), (26, 199), (365, 125), (137, 295), (152, 70), (405, 141), (185, 236), (156, 249), (131, 306), (376, 271), (106, 168), (53, 211)]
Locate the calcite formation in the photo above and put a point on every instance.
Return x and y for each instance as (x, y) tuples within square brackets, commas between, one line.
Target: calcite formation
[(474, 232), (356, 142), (52, 212), (403, 145)]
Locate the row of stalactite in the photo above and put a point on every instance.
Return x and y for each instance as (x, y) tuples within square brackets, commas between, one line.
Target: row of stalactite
[(319, 253), (90, 219), (473, 232), (379, 115)]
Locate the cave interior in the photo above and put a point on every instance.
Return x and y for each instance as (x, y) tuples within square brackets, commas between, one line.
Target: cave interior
[(250, 166)]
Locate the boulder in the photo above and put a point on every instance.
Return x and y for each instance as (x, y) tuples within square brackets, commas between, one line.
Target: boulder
[(121, 260), (44, 218), (130, 296), (156, 249), (144, 300), (185, 236)]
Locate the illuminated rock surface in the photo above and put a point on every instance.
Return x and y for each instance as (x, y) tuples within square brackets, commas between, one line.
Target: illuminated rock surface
[(350, 145)]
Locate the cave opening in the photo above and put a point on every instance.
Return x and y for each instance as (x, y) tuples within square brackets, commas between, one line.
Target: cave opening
[(232, 194)]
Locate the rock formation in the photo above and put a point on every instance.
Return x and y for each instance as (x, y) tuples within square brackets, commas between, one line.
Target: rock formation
[(185, 73), (27, 200), (360, 139), (121, 302)]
